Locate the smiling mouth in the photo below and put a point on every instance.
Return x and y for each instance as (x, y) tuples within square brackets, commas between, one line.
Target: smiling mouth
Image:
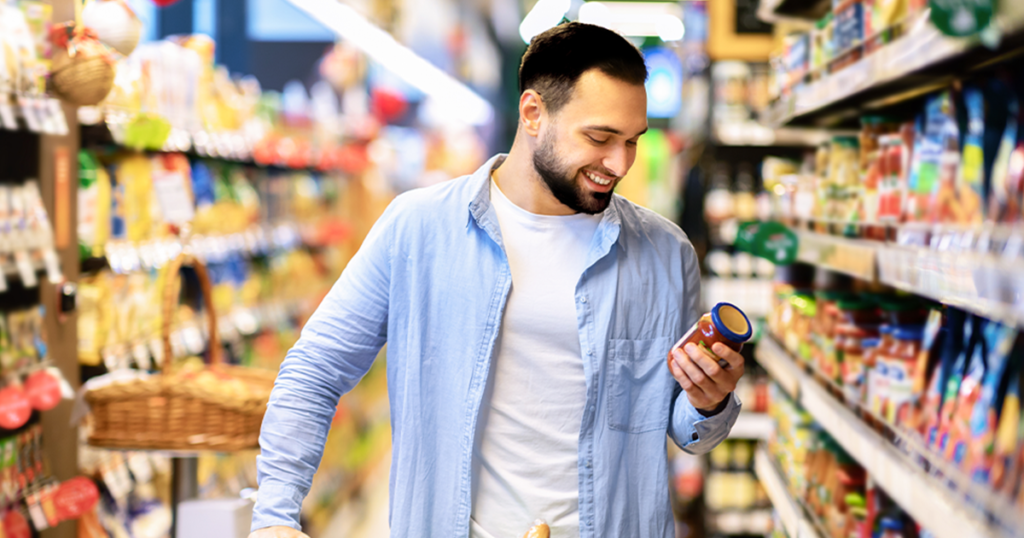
[(597, 179)]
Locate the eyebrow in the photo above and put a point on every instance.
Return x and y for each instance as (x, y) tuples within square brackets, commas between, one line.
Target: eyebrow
[(612, 130)]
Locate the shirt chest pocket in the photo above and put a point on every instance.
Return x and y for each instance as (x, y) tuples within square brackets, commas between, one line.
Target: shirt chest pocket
[(639, 385)]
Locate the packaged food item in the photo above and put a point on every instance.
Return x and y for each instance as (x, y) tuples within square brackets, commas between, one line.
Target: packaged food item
[(942, 389), (843, 180), (725, 324), (970, 184), (935, 143), (873, 129), (849, 31), (877, 376), (1000, 341), (1002, 200), (823, 336), (901, 364), (944, 205), (855, 375), (821, 44), (797, 58), (1009, 435), (931, 345), (956, 407)]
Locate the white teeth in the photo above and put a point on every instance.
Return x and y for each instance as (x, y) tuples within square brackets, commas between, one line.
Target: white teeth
[(598, 180)]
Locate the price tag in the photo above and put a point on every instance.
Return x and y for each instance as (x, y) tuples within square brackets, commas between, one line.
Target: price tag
[(7, 119), (25, 269), (35, 512), (60, 121), (52, 264), (47, 123), (173, 195), (28, 111)]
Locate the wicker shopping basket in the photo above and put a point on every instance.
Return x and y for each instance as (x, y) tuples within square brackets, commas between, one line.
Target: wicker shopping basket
[(220, 408)]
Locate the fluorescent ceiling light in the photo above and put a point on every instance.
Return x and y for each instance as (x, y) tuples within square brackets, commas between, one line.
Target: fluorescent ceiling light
[(661, 19), (450, 95), (545, 14)]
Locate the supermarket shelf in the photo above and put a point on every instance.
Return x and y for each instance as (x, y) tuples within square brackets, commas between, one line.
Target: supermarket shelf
[(791, 513), (943, 512), (986, 284), (849, 256), (758, 426), (920, 60), (125, 257), (756, 135), (742, 522)]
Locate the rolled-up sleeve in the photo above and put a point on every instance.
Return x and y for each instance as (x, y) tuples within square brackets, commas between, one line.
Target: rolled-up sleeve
[(336, 349)]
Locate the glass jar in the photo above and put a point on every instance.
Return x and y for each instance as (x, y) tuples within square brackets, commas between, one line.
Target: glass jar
[(876, 375), (901, 368), (725, 324)]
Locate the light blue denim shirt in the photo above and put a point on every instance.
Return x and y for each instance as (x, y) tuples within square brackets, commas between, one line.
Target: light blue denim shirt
[(431, 280)]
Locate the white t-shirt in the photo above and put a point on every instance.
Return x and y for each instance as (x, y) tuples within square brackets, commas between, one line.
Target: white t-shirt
[(527, 444)]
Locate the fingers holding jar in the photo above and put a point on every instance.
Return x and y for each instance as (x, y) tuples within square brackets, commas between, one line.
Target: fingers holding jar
[(703, 378), (706, 362)]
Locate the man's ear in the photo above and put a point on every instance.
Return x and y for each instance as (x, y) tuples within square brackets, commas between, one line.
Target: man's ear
[(531, 108)]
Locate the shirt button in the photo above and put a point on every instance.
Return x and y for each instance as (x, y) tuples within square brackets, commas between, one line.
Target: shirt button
[(589, 464), (590, 352), (583, 300), (590, 522)]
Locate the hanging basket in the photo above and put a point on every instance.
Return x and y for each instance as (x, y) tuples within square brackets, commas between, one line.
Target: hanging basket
[(83, 68), (220, 408)]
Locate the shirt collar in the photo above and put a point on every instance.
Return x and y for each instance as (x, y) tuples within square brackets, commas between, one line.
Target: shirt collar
[(482, 212)]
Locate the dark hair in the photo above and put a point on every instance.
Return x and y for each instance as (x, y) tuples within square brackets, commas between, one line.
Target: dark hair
[(557, 58)]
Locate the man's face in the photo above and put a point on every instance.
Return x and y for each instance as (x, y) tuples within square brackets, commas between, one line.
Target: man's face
[(586, 147)]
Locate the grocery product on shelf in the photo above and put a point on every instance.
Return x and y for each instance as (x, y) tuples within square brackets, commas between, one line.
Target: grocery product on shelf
[(942, 378), (838, 496), (24, 67)]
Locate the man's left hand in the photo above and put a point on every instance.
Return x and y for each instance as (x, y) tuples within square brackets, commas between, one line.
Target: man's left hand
[(706, 383)]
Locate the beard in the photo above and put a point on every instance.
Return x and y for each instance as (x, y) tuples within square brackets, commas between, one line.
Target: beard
[(561, 181)]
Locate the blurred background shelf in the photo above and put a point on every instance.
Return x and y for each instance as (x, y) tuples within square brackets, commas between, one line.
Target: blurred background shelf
[(791, 514), (920, 61), (755, 426)]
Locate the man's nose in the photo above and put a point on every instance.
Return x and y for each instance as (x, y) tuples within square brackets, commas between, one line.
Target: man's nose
[(617, 161)]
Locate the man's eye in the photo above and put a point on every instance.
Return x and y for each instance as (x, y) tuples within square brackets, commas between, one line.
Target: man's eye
[(631, 143), (596, 140)]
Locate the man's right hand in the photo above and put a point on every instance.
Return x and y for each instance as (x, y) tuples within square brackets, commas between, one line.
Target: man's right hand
[(277, 532)]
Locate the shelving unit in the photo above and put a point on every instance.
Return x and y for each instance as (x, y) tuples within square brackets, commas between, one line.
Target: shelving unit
[(756, 426), (742, 522), (919, 61), (950, 507), (984, 282), (791, 512), (756, 135)]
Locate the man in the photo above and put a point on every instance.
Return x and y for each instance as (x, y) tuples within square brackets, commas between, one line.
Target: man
[(528, 312)]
